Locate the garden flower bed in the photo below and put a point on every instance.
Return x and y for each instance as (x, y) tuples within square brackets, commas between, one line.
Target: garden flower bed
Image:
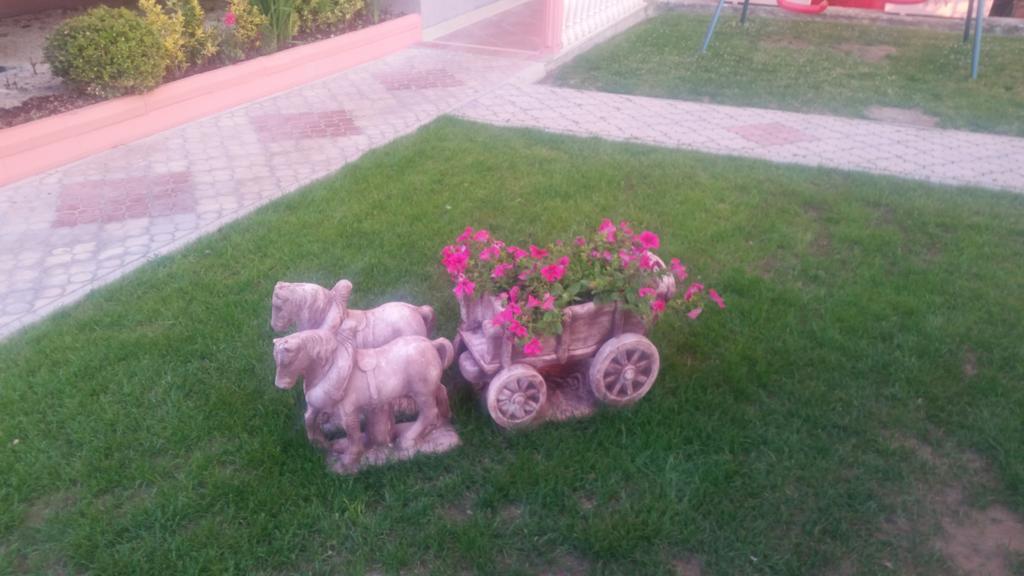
[(31, 148)]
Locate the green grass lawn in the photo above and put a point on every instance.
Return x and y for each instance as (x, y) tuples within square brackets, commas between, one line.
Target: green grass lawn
[(870, 359), (813, 66)]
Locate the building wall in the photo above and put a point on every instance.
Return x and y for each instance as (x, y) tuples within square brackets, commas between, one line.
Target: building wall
[(437, 11)]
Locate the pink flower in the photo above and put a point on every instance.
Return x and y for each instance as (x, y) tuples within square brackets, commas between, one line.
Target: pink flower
[(645, 291), (490, 252), (658, 306), (500, 270), (229, 19), (532, 347), (507, 315), (693, 314), (716, 298), (517, 253), (549, 302), (649, 240), (624, 226), (678, 269), (537, 253), (482, 236), (563, 261), (625, 257), (513, 295), (646, 262), (692, 291), (464, 287), (607, 256), (466, 235), (581, 241), (532, 302), (607, 229), (454, 259), (553, 272), (514, 327)]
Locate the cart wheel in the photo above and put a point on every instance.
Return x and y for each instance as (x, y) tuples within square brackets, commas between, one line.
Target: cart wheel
[(516, 396), (624, 369)]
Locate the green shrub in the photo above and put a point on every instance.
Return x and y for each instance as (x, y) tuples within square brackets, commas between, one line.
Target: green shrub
[(242, 31), (199, 42), (317, 16), (248, 23), (171, 29), (107, 52)]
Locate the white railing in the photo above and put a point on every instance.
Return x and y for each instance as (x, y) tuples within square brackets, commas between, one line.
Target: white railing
[(581, 19)]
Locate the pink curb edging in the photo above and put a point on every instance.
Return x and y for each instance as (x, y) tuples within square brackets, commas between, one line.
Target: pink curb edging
[(34, 147)]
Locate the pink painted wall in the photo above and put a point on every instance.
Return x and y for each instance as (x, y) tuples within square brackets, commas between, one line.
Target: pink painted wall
[(35, 147)]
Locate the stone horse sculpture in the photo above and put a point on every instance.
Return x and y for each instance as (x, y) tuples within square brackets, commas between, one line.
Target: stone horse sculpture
[(309, 306), (348, 381)]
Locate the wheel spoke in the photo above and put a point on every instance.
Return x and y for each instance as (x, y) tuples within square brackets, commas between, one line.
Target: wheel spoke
[(530, 406)]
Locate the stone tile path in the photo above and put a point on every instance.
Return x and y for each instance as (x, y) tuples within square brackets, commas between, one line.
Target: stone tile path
[(80, 226), (70, 230), (940, 156)]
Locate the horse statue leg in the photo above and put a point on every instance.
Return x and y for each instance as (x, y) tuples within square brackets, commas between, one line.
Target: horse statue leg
[(313, 430), (426, 403), (355, 444)]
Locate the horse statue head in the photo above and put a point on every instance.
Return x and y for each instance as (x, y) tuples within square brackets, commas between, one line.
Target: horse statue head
[(308, 306), (309, 354)]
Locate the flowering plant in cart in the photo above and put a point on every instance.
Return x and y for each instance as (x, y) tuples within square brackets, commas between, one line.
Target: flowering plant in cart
[(535, 284)]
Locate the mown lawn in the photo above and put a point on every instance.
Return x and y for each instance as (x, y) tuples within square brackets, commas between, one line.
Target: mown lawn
[(812, 66), (869, 359)]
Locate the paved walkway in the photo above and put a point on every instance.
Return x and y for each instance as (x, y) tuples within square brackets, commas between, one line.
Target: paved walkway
[(940, 156), (83, 225)]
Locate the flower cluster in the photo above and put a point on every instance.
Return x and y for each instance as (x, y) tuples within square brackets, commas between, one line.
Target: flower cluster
[(535, 284)]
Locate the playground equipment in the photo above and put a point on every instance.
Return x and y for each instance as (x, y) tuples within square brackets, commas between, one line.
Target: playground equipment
[(819, 6)]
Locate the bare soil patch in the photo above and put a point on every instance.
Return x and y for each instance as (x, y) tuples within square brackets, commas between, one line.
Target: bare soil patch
[(977, 541), (688, 566), (907, 116), (867, 53), (786, 42), (970, 362)]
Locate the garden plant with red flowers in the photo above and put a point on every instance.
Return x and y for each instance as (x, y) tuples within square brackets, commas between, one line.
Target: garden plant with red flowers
[(536, 284)]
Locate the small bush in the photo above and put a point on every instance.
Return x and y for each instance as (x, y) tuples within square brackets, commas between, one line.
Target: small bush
[(248, 23), (171, 29), (243, 31), (107, 52), (200, 44), (318, 16)]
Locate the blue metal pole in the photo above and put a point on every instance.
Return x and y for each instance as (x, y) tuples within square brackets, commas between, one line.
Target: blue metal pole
[(979, 21), (743, 15), (711, 27)]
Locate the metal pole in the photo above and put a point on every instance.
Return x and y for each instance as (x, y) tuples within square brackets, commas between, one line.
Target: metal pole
[(979, 21), (967, 21), (746, 6), (711, 27)]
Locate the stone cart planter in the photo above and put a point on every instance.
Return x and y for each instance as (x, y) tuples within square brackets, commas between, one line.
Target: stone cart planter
[(602, 356)]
